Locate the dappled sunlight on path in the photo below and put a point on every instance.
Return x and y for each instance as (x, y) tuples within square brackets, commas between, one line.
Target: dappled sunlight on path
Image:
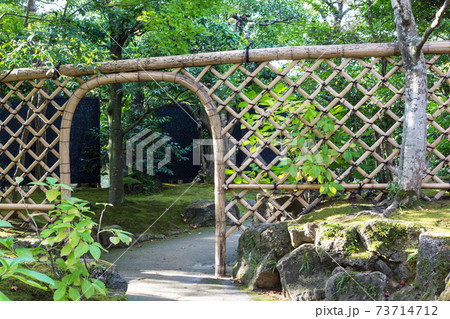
[(178, 268)]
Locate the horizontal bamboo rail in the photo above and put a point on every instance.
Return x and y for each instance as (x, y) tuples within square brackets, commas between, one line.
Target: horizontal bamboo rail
[(224, 57), (32, 207), (317, 186)]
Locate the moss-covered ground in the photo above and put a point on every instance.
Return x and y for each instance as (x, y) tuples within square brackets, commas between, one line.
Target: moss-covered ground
[(434, 216)]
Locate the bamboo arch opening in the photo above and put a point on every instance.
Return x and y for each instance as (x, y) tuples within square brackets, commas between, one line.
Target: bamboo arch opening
[(218, 143)]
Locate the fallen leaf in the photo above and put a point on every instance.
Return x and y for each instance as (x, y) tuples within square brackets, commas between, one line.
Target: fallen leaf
[(402, 282), (182, 247), (14, 288), (387, 294)]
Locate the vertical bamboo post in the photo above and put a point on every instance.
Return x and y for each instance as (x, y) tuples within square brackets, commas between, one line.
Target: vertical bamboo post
[(219, 197)]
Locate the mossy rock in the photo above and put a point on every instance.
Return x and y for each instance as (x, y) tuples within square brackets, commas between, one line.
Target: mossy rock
[(302, 274), (391, 238), (433, 264), (407, 293), (259, 249), (354, 286), (343, 246)]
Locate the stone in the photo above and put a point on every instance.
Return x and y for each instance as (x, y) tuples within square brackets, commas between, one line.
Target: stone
[(381, 266), (433, 264), (343, 246), (356, 286), (114, 283), (267, 208), (390, 240), (201, 213), (259, 249), (301, 234), (266, 273), (407, 293), (302, 275)]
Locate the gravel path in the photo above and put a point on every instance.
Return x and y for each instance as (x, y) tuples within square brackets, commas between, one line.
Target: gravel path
[(178, 268)]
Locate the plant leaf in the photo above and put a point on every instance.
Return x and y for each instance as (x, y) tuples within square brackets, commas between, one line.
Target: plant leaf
[(4, 223), (66, 250), (3, 297), (60, 293), (52, 194), (36, 275), (81, 249), (74, 294), (95, 252), (87, 289)]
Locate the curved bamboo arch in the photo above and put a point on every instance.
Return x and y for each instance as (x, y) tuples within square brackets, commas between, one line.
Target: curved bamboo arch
[(216, 127)]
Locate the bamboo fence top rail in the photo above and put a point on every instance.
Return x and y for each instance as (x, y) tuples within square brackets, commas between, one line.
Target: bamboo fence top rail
[(224, 57)]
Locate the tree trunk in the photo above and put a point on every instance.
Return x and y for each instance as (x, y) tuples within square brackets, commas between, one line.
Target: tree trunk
[(115, 145), (412, 156)]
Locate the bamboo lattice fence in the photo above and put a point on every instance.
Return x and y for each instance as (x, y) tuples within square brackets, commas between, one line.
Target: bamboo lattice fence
[(356, 88)]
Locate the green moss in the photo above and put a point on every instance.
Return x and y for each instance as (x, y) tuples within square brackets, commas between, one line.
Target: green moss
[(330, 231), (390, 234), (350, 234), (361, 255)]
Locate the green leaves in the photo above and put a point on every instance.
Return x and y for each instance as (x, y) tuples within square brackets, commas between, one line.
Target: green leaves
[(4, 223), (71, 235), (330, 189)]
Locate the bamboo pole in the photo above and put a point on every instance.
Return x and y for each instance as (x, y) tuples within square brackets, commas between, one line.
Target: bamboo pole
[(224, 57), (30, 207)]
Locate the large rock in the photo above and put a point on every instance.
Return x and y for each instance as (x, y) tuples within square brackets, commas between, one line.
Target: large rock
[(342, 246), (354, 286), (433, 265), (202, 213), (302, 275), (114, 283), (390, 240), (259, 249)]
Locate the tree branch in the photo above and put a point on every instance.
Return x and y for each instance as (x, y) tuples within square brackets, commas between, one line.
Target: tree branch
[(267, 22), (21, 16), (436, 22)]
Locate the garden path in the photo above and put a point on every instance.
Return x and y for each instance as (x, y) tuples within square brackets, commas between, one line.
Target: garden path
[(178, 268)]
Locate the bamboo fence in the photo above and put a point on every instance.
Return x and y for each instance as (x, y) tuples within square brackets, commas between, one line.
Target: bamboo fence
[(351, 78)]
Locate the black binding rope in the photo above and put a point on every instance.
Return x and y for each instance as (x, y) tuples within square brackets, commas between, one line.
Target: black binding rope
[(56, 72), (247, 54), (7, 74)]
